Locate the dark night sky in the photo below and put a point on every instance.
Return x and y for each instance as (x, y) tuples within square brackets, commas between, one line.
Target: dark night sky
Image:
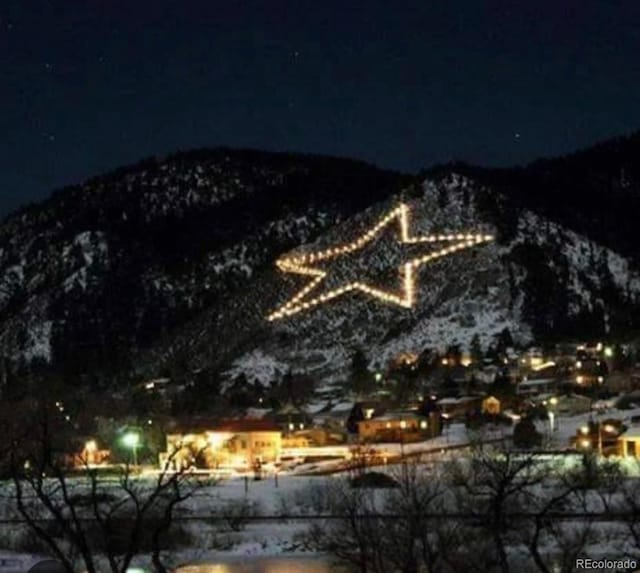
[(88, 86)]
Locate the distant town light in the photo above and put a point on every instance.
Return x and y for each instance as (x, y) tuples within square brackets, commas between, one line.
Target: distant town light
[(609, 428), (423, 424), (579, 364), (445, 361), (600, 379), (378, 376), (585, 444), (553, 401), (131, 440), (90, 446), (579, 379), (599, 347), (403, 424), (584, 430), (608, 351)]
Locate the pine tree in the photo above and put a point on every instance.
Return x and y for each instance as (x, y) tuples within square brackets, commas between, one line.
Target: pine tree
[(361, 380), (475, 349)]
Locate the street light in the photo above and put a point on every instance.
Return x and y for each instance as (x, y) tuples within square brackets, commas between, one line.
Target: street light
[(132, 440)]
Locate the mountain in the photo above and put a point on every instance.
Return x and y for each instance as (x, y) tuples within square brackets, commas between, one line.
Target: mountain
[(167, 267)]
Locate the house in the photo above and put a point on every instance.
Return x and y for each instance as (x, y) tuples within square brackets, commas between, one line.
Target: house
[(364, 411), (457, 408), (486, 374), (491, 405), (87, 454), (536, 386), (313, 437), (569, 404), (290, 418), (399, 426), (237, 444), (602, 436), (629, 443), (333, 416)]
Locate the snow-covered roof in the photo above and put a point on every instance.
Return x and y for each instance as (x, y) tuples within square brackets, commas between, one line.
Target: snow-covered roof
[(396, 415), (538, 382), (632, 433)]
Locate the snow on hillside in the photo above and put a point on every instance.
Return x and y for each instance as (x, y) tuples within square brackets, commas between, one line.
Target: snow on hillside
[(462, 296)]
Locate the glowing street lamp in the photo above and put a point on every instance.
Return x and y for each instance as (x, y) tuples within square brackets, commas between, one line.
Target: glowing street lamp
[(131, 440)]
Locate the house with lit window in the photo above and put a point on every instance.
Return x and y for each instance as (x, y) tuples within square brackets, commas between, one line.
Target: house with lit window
[(290, 418), (491, 405), (629, 443), (399, 426), (236, 444)]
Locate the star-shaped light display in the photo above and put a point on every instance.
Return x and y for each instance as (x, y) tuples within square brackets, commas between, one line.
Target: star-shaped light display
[(307, 264)]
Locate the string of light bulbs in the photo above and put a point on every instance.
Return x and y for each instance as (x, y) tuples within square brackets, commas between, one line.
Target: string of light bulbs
[(303, 265)]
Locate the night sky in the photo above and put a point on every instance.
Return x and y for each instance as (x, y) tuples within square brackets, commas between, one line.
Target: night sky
[(88, 86)]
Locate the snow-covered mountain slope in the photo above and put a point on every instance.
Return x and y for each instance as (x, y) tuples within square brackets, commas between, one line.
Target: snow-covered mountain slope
[(168, 268), (540, 279)]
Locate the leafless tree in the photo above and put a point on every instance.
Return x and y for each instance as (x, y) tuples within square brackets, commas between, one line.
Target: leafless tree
[(86, 516), (354, 534), (498, 484)]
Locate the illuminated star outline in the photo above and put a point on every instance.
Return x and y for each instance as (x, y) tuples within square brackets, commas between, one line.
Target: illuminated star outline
[(304, 265)]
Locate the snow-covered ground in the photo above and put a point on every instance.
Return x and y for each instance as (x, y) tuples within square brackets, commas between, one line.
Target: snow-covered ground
[(277, 512)]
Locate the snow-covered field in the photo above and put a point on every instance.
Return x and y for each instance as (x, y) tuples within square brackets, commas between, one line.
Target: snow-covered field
[(238, 518)]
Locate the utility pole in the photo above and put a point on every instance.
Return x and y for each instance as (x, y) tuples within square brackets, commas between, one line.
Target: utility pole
[(599, 437)]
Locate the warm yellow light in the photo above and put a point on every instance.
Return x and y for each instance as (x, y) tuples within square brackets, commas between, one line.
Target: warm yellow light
[(585, 444), (216, 439), (91, 446), (584, 429), (403, 424), (579, 379), (553, 401), (609, 428), (299, 264)]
